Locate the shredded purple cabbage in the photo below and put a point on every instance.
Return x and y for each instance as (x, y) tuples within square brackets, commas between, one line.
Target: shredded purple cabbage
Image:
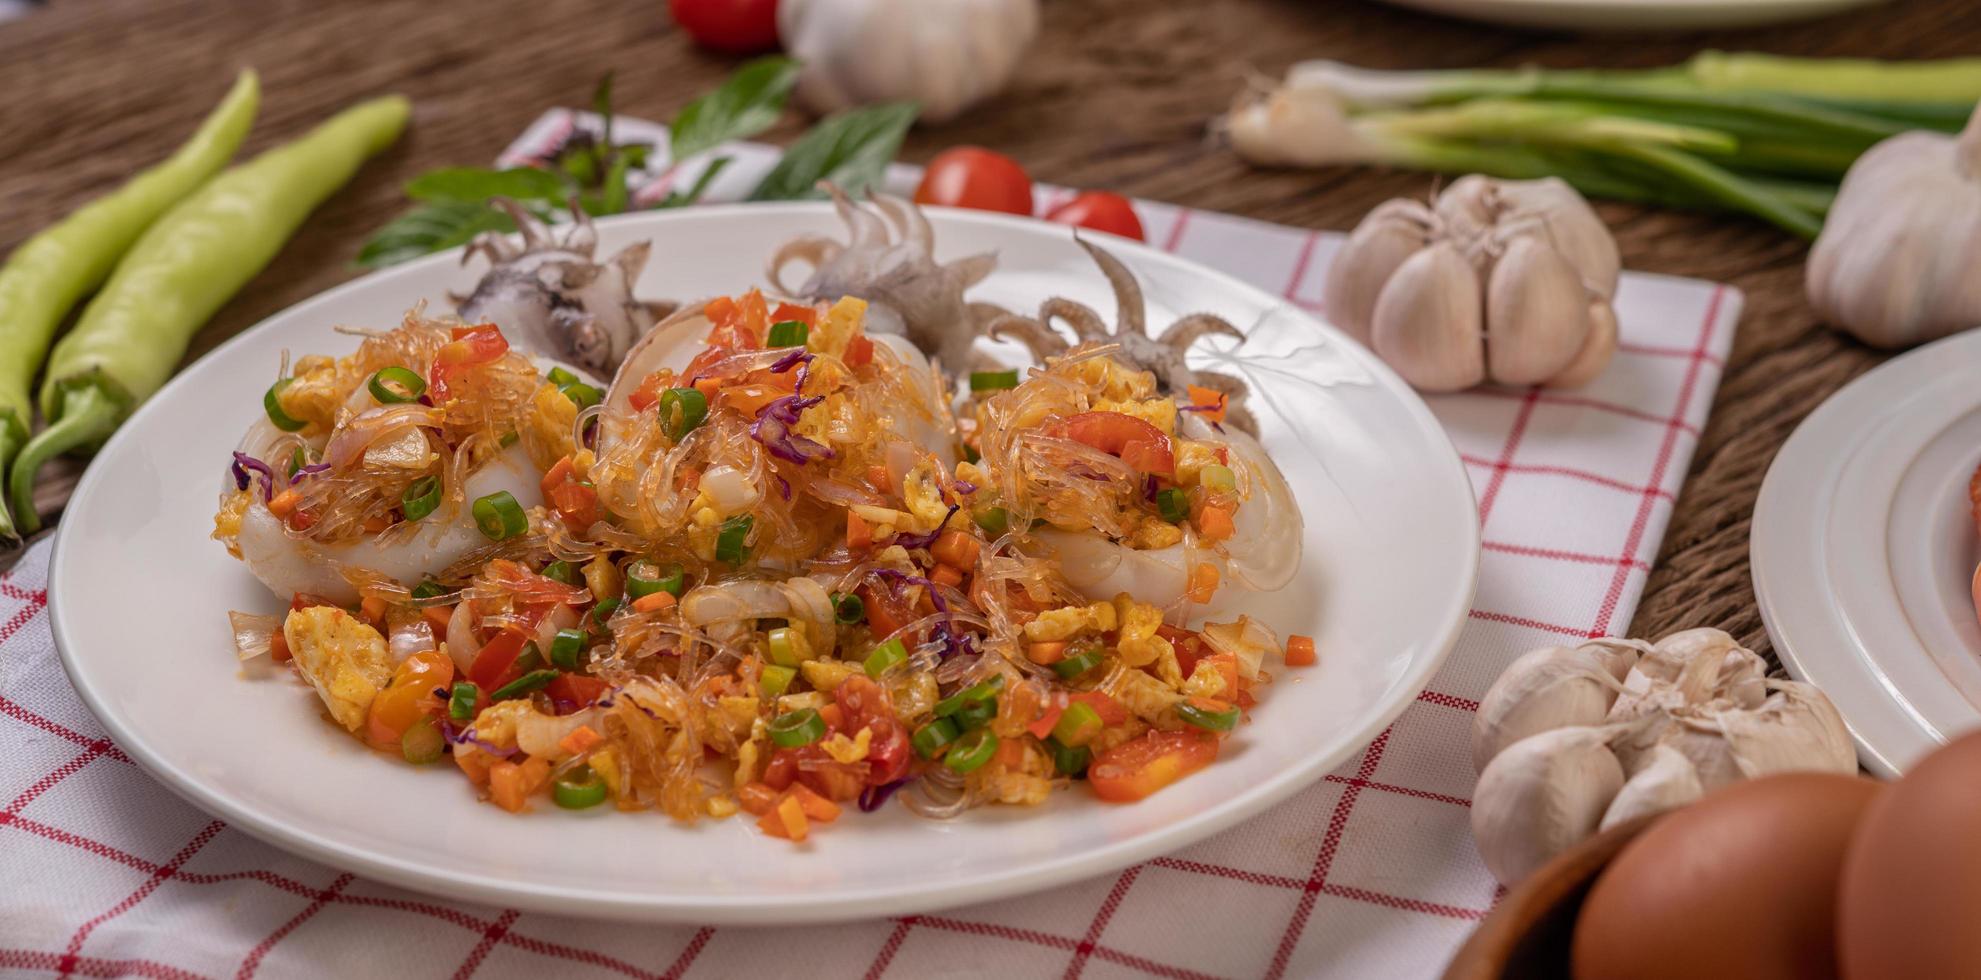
[(783, 486), (925, 540), (952, 643), (786, 362), (1149, 488), (308, 471), (460, 736), (1193, 407), (243, 463), (964, 487), (874, 797), (773, 429)]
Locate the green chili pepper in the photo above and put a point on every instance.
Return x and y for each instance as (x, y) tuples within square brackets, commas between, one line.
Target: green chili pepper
[(884, 656), (565, 648), (775, 680), (732, 540), (523, 685), (794, 729), (499, 516), (930, 738), (848, 608), (578, 789), (188, 263), (46, 276), (461, 701), (970, 752), (396, 385)]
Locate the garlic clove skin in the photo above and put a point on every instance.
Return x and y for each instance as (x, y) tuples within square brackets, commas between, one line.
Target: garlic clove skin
[(946, 55), (1548, 207), (1796, 729), (1537, 313), (1666, 782), (1541, 796), (1427, 321), (1597, 349), (1542, 690), (1394, 231)]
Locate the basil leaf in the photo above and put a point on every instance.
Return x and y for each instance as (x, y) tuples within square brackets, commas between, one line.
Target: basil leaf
[(478, 184), (676, 199), (430, 228), (850, 149), (747, 104)]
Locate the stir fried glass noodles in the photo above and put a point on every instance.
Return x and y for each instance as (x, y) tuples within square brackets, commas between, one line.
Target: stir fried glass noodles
[(773, 567)]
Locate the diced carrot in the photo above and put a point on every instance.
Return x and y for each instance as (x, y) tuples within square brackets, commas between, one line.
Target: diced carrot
[(877, 475), (438, 615), (278, 647), (285, 503), (1045, 652), (955, 549), (1214, 522), (1212, 402), (557, 473), (376, 523), (832, 716), (476, 765), (648, 390), (1226, 665), (1203, 582), (1011, 754), (816, 807), (1300, 651), (581, 738), (654, 602), (756, 798), (1110, 710), (859, 351), (859, 534), (371, 609), (709, 387), (786, 820), (947, 575), (505, 786), (1043, 727)]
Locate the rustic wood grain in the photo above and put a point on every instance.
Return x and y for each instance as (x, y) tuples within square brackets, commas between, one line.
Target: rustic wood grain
[(1116, 94)]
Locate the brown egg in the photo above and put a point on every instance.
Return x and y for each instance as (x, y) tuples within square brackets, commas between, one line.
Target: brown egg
[(1912, 878), (1740, 884)]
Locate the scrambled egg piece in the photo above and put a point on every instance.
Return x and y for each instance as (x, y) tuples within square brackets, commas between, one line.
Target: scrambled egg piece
[(1029, 784), (1146, 697), (227, 521), (1063, 624), (1138, 644), (551, 418), (1159, 412), (1117, 381), (1191, 458), (827, 675), (737, 714), (849, 750), (344, 659), (1205, 682), (315, 392), (921, 490), (1153, 534), (837, 327), (496, 724)]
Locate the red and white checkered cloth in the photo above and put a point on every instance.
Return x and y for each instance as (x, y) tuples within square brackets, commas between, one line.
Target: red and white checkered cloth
[(1369, 873)]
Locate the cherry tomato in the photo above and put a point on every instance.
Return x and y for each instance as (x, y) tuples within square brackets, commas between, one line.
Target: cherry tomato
[(730, 26), (472, 346), (1100, 211), (1135, 442), (408, 697), (1134, 770), (973, 177)]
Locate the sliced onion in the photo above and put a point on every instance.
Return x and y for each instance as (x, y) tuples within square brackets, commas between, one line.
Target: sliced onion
[(408, 638), (559, 618), (1246, 639), (461, 642), (731, 601), (731, 488), (844, 494), (351, 441), (538, 734), (253, 634)]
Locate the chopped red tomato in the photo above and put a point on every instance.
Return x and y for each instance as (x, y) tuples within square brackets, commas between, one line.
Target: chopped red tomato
[(886, 612), (495, 662), (781, 769), (573, 501), (739, 322), (1133, 441), (579, 689), (649, 390), (792, 311), (859, 351), (1134, 770), (471, 347), (1110, 710)]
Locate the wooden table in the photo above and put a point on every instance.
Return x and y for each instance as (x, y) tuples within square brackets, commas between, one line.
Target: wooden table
[(1115, 94)]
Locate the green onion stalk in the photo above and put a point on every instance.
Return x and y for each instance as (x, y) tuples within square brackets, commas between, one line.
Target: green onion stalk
[(1756, 134), (49, 273)]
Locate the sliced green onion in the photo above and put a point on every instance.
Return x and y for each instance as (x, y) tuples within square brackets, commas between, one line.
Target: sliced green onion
[(422, 743), (428, 589), (1070, 760), (971, 455), (1199, 713), (975, 714), (1078, 663), (970, 752), (582, 395), (396, 386), (731, 542), (1078, 724), (603, 611), (783, 644), (530, 659), (994, 520), (461, 701), (848, 608), (794, 729), (644, 578), (421, 499), (578, 789), (560, 377), (787, 333), (565, 648), (508, 438), (681, 410), (983, 690), (775, 680), (531, 681), (297, 461), (930, 738), (1173, 504), (561, 571), (271, 404), (500, 517), (993, 380), (1217, 478), (884, 656)]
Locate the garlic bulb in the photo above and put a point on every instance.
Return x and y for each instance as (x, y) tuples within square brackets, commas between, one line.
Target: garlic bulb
[(1541, 796), (1501, 281), (945, 55), (1894, 265), (1549, 688), (1667, 782)]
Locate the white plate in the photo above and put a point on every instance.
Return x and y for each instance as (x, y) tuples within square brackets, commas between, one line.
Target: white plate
[(1391, 551), (1635, 15), (1863, 550)]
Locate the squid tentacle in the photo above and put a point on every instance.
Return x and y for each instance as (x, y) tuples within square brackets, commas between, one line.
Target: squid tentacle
[(1196, 326), (1087, 325), (1127, 292), (1037, 337)]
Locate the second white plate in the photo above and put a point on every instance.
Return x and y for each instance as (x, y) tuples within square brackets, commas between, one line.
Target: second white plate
[(1635, 15)]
